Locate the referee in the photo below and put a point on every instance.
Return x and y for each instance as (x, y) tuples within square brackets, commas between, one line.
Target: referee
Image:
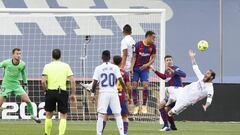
[(54, 78)]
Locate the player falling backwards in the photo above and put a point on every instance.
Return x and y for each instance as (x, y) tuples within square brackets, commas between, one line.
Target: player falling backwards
[(122, 96), (107, 74), (194, 92), (11, 84), (173, 75), (143, 57)]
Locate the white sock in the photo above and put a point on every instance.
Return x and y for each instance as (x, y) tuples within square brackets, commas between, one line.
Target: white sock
[(120, 124), (99, 124)]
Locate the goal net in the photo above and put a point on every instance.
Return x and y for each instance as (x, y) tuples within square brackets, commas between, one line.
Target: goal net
[(81, 35)]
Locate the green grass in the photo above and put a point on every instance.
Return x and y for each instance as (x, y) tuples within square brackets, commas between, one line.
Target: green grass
[(88, 128)]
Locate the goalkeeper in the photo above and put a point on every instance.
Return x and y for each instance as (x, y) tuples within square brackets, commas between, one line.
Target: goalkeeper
[(11, 84)]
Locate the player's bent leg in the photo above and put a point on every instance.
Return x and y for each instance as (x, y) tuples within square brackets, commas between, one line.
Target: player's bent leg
[(164, 115), (48, 123), (170, 119), (62, 123), (145, 96), (25, 98), (180, 106)]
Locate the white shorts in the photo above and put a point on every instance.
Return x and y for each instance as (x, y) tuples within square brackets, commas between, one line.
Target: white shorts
[(174, 92), (180, 106), (108, 99)]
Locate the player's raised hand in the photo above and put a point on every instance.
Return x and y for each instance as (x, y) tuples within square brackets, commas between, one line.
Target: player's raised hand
[(191, 53), (170, 70), (192, 56)]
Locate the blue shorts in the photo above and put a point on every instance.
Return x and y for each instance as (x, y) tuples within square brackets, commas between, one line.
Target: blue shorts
[(143, 75), (124, 105)]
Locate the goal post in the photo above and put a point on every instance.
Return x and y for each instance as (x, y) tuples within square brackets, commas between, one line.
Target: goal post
[(81, 34)]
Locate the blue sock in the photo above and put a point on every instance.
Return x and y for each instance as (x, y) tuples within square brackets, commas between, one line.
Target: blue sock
[(104, 125), (135, 94), (145, 96), (125, 126)]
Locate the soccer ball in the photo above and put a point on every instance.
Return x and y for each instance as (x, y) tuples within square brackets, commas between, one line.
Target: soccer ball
[(202, 45)]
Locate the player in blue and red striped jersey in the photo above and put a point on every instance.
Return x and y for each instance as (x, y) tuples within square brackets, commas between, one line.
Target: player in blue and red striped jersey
[(123, 96), (174, 76), (143, 57)]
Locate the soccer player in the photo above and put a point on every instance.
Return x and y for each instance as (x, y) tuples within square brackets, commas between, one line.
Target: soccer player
[(143, 57), (174, 76), (122, 96), (194, 92), (127, 46), (10, 84), (107, 74), (54, 78)]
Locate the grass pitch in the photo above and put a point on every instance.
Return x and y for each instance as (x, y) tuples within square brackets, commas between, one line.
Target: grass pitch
[(135, 128)]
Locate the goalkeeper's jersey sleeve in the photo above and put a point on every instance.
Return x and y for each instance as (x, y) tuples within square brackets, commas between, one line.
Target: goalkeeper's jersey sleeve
[(12, 73)]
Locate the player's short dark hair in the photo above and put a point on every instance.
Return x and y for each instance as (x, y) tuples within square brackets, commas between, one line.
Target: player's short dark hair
[(117, 59), (127, 29), (15, 49), (212, 73), (56, 54), (106, 55), (167, 56), (149, 33)]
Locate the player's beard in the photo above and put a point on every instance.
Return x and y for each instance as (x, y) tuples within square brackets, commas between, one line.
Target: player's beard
[(206, 79), (17, 59)]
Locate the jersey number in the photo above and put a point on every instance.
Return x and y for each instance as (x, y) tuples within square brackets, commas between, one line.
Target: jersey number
[(108, 80)]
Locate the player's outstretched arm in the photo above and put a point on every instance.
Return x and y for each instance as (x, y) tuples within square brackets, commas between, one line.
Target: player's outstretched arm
[(159, 74), (152, 59), (195, 66), (192, 56)]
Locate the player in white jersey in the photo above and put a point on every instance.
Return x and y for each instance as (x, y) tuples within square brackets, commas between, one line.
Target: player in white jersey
[(194, 92), (127, 46), (127, 49), (107, 75)]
